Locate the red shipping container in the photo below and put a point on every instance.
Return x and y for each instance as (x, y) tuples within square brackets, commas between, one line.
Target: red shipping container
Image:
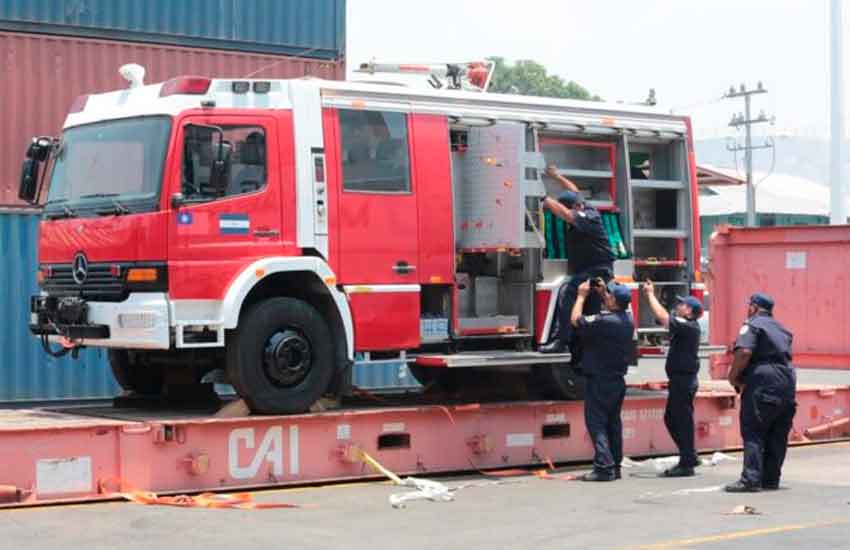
[(806, 269), (41, 76)]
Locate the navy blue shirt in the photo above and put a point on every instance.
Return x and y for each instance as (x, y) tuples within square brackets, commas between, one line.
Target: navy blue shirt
[(770, 344), (607, 339), (587, 241), (683, 355)]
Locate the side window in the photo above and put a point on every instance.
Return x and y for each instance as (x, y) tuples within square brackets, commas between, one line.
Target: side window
[(246, 171), (375, 155)]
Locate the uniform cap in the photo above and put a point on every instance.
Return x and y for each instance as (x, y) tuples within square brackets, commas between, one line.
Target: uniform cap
[(693, 303), (569, 198), (621, 293), (762, 300)]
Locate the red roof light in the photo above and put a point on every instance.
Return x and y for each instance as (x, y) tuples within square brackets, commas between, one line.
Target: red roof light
[(188, 85)]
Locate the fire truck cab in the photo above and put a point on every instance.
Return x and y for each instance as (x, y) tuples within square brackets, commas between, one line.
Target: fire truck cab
[(275, 229)]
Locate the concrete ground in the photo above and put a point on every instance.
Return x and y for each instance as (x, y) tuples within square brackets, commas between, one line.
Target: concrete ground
[(639, 512)]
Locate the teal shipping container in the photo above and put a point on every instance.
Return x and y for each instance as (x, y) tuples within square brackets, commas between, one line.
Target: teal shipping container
[(307, 28)]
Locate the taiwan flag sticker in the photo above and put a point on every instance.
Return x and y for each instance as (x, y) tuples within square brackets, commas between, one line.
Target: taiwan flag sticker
[(234, 224), (184, 218)]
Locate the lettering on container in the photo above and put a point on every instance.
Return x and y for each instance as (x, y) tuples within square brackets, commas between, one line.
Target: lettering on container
[(559, 418), (725, 421), (245, 463), (629, 433), (393, 427)]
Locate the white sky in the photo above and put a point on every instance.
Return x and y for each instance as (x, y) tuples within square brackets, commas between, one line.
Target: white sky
[(690, 51)]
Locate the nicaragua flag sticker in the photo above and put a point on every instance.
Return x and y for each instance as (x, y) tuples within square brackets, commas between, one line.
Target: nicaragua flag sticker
[(234, 224)]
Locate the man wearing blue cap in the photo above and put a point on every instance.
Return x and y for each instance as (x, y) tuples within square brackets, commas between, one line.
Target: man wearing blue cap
[(762, 372), (590, 257), (607, 339), (682, 368)]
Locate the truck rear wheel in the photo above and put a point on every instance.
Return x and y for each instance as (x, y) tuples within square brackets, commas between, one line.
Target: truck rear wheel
[(280, 359), (557, 382), (135, 375)]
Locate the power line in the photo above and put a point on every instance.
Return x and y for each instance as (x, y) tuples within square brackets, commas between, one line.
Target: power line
[(746, 120)]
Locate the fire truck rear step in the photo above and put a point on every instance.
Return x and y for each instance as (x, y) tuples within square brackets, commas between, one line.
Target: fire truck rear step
[(490, 359)]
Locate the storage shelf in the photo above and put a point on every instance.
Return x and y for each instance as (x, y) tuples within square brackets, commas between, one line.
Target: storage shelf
[(575, 173), (659, 233), (657, 184)]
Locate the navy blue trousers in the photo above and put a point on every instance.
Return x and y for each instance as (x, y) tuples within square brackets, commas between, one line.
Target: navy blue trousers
[(679, 416), (602, 405)]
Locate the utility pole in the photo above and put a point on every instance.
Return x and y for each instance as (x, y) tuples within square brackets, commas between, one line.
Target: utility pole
[(837, 200), (747, 121)]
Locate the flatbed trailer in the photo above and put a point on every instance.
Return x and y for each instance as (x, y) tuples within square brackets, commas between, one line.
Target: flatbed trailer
[(89, 453)]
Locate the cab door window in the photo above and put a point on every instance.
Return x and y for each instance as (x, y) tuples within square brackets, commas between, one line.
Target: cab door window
[(246, 167), (375, 153)]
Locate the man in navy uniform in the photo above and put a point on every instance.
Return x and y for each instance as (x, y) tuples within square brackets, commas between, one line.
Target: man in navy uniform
[(590, 256), (761, 371), (682, 368), (607, 339)]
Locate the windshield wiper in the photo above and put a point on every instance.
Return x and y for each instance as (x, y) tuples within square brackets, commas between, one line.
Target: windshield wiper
[(65, 212), (117, 209)]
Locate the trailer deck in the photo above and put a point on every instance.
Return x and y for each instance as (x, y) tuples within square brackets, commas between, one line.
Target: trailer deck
[(92, 453)]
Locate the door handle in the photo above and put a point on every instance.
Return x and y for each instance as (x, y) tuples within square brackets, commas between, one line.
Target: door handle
[(403, 268)]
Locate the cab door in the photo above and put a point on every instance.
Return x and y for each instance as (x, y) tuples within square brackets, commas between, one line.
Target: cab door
[(215, 233), (375, 245)]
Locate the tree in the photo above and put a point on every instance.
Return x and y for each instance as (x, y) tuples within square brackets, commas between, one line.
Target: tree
[(527, 77)]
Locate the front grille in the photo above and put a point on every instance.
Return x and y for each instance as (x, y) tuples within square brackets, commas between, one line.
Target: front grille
[(100, 284)]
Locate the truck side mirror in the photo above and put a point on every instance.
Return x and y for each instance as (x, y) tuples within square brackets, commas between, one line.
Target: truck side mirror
[(220, 169), (28, 190)]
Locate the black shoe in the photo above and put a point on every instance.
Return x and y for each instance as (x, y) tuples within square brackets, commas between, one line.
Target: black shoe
[(678, 471), (618, 473), (770, 486), (553, 347), (742, 487), (598, 476)]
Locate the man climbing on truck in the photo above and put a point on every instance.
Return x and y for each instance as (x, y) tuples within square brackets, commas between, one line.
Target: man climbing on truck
[(590, 257)]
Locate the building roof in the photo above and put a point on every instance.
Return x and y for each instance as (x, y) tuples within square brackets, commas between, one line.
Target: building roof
[(775, 194)]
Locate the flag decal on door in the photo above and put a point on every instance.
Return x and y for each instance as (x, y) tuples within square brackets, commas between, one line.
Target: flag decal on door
[(234, 224)]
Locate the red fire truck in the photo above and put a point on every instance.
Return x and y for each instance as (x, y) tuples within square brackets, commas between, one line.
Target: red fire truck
[(277, 229)]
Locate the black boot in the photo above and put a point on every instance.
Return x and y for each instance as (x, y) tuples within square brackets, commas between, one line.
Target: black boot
[(555, 346), (678, 471), (741, 486), (598, 476)]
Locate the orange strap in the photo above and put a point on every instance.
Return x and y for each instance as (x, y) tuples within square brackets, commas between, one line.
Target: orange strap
[(244, 501), (241, 501)]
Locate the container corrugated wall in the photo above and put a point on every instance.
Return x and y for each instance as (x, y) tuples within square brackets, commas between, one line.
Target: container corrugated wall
[(314, 28), (26, 372), (41, 76)]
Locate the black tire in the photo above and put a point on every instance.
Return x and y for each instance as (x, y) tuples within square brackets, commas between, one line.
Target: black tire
[(135, 375), (280, 359), (558, 382)]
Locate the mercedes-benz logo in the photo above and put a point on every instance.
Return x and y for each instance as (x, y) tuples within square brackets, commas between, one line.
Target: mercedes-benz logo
[(80, 268)]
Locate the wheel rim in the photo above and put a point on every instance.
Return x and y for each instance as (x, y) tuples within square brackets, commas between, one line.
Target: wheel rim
[(287, 358)]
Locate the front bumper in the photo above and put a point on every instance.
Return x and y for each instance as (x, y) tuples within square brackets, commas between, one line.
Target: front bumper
[(139, 322)]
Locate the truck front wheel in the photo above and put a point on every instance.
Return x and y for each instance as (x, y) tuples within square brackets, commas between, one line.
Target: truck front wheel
[(135, 374), (280, 359)]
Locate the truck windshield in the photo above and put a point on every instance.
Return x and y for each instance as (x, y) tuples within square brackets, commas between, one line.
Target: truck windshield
[(117, 162)]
